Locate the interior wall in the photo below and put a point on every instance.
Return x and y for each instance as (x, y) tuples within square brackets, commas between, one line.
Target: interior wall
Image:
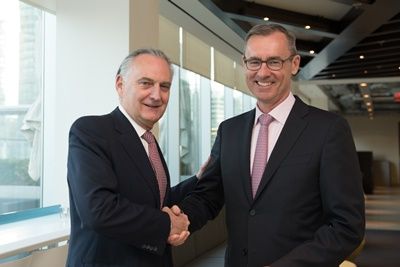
[(381, 136)]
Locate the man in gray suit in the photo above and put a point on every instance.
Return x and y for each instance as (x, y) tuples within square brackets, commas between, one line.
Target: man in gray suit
[(306, 206)]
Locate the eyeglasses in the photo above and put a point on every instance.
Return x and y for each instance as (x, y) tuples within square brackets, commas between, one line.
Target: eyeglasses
[(272, 63)]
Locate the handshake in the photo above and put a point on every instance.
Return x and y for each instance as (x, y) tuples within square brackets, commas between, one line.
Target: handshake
[(179, 226), (179, 221)]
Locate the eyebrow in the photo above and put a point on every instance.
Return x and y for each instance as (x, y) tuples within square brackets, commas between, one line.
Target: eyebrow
[(168, 84), (146, 79), (163, 83), (269, 58)]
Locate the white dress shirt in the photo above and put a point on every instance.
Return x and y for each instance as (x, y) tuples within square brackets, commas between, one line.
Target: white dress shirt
[(139, 130)]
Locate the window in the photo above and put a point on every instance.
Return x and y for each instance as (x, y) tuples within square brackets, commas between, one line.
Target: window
[(189, 126), (217, 108), (22, 31), (237, 102)]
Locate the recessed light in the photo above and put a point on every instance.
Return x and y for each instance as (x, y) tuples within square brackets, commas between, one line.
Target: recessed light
[(266, 18), (307, 27), (363, 84), (365, 71), (366, 95), (312, 52), (361, 56)]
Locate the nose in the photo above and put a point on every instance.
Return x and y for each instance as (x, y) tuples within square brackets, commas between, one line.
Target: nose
[(264, 70), (155, 92)]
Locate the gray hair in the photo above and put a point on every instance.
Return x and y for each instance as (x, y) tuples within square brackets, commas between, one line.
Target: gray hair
[(267, 29), (125, 64)]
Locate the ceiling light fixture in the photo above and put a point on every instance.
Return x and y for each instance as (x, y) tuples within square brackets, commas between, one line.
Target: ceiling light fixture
[(361, 56), (307, 27), (312, 52), (266, 18), (363, 84)]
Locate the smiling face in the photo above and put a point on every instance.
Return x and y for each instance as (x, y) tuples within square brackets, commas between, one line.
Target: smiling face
[(270, 87), (144, 91)]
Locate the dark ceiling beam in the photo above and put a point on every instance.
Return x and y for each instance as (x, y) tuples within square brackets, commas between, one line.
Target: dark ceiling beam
[(372, 75), (380, 11), (349, 82), (311, 45), (390, 26), (291, 27), (395, 42), (354, 2), (255, 13), (278, 15), (353, 65), (229, 5), (368, 57), (380, 36), (290, 17), (223, 16), (359, 69), (360, 75)]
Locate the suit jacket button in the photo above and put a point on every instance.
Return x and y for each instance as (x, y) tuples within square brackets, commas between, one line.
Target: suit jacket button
[(252, 212), (244, 252)]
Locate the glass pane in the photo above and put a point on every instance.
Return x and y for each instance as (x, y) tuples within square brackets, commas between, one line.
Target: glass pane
[(21, 68), (217, 108), (237, 102), (163, 134), (189, 124)]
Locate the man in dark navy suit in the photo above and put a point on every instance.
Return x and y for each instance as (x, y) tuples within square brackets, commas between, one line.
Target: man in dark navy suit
[(298, 201), (116, 199)]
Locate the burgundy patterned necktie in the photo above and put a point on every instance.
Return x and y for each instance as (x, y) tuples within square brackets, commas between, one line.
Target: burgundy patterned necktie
[(156, 163), (261, 153)]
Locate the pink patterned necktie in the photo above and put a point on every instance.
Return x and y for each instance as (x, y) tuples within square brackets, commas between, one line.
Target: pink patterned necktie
[(156, 163), (261, 153)]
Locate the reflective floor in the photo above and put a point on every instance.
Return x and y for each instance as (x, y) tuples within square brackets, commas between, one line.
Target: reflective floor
[(383, 209)]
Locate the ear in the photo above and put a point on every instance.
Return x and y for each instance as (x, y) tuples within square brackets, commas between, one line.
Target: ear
[(295, 64), (119, 85)]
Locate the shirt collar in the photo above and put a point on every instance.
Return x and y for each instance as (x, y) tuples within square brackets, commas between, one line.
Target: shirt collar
[(139, 130), (280, 112)]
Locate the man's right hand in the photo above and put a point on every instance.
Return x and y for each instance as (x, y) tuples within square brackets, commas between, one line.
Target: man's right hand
[(179, 226)]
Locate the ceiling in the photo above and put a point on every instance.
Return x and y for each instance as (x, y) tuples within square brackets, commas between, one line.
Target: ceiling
[(353, 42)]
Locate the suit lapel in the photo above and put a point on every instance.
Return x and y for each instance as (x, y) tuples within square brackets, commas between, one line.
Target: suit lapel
[(133, 146), (291, 131), (245, 153)]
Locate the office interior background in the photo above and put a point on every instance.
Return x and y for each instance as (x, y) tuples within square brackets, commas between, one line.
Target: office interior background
[(58, 60)]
